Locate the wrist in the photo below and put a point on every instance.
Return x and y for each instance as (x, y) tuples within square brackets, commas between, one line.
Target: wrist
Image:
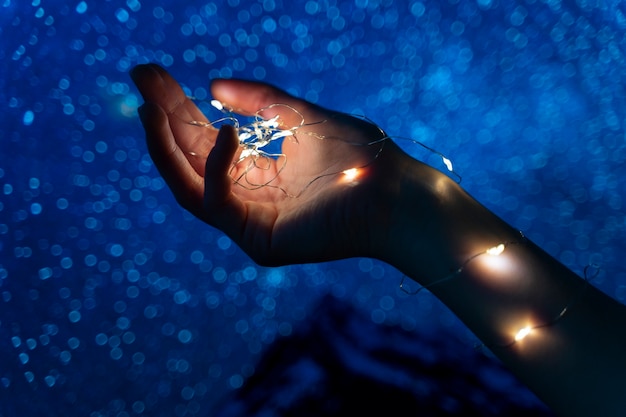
[(434, 226), (439, 236)]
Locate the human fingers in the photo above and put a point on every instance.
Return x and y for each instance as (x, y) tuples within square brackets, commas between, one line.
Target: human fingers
[(188, 125), (181, 177), (158, 86)]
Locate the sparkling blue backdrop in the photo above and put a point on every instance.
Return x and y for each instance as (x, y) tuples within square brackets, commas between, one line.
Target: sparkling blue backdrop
[(114, 301)]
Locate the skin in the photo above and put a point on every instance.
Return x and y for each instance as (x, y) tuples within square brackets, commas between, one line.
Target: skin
[(402, 212)]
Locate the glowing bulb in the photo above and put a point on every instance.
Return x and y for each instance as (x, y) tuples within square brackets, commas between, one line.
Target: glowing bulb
[(522, 333), (498, 267), (351, 173), (217, 104), (496, 250), (447, 163)]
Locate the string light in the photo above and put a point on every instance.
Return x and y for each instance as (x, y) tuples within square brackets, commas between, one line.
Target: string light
[(527, 330), (522, 333), (217, 104), (256, 136), (351, 174), (445, 160), (493, 251), (496, 250)]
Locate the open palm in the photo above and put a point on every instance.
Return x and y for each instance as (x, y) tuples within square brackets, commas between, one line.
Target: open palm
[(292, 209)]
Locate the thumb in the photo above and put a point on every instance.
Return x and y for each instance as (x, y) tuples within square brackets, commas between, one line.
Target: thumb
[(222, 208)]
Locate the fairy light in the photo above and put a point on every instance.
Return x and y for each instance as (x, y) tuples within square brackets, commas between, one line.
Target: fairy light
[(495, 260), (256, 136), (496, 250), (351, 174), (217, 104), (522, 333), (492, 252), (259, 133)]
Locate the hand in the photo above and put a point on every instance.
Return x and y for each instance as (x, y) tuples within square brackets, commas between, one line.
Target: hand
[(309, 211)]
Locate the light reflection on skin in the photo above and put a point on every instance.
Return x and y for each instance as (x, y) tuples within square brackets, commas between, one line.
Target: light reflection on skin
[(496, 263)]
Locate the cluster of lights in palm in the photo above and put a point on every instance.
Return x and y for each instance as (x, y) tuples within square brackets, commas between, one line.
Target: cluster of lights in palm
[(260, 135)]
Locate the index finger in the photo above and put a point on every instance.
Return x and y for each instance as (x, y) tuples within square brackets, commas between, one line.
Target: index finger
[(189, 126)]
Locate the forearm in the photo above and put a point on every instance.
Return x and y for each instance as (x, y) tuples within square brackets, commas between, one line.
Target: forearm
[(574, 357)]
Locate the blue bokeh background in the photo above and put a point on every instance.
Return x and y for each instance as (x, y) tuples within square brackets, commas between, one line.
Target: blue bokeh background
[(115, 300)]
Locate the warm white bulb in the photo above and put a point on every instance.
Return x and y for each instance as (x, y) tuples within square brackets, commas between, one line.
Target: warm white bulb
[(496, 250), (217, 104), (522, 333), (351, 173)]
